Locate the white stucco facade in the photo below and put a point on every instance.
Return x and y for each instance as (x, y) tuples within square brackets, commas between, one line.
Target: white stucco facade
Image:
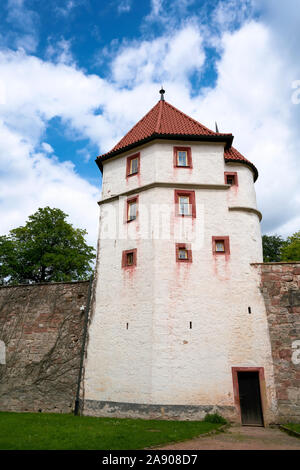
[(165, 332)]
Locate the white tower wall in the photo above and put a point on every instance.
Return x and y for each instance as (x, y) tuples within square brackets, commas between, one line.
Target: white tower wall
[(164, 335)]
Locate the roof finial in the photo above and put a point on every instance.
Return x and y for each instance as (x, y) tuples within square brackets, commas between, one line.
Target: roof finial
[(162, 92), (217, 130)]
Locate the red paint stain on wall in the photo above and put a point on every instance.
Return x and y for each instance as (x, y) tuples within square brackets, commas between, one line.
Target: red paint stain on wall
[(217, 260)]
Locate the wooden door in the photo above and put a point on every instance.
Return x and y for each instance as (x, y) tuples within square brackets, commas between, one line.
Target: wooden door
[(250, 399)]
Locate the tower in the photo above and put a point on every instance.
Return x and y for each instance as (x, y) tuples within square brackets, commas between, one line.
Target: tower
[(177, 315)]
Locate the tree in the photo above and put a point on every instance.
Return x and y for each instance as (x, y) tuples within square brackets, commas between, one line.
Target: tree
[(291, 250), (45, 249), (272, 247)]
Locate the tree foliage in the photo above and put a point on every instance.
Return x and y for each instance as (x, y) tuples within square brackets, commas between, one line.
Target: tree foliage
[(291, 250), (45, 249), (272, 247)]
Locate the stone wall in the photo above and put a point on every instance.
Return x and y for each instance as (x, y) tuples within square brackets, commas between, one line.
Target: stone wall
[(280, 286), (42, 328)]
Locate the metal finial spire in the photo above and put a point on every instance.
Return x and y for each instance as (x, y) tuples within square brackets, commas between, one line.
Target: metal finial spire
[(162, 92), (217, 130)]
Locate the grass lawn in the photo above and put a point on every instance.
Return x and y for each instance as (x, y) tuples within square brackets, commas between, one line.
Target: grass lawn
[(293, 427), (38, 431)]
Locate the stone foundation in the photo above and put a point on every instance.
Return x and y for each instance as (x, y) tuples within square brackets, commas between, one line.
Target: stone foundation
[(144, 411)]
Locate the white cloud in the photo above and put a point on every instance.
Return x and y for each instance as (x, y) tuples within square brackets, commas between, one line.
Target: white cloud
[(231, 13), (68, 7), (60, 52), (124, 6), (19, 15), (156, 7), (168, 12), (24, 23), (170, 57), (47, 147)]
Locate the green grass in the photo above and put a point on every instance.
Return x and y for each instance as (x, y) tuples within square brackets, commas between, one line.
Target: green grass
[(39, 431), (293, 427)]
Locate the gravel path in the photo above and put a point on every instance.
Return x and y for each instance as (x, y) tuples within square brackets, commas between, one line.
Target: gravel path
[(241, 438)]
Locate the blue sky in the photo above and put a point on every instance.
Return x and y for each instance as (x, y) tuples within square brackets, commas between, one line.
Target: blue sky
[(75, 75)]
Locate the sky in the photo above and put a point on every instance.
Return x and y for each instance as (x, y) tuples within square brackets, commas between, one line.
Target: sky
[(76, 75)]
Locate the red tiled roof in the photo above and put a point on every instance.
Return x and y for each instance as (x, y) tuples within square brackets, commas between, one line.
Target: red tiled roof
[(234, 154), (164, 120)]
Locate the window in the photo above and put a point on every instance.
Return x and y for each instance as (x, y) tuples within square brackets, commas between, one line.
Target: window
[(220, 245), (131, 213), (182, 157), (185, 203), (231, 178), (183, 252), (129, 258), (133, 165)]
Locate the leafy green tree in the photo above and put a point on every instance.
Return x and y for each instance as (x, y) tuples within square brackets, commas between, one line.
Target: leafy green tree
[(45, 249), (291, 250), (272, 247)]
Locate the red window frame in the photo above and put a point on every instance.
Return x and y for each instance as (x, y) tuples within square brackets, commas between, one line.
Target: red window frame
[(129, 200), (128, 162), (124, 258), (187, 247), (189, 156), (234, 174), (191, 195), (226, 245)]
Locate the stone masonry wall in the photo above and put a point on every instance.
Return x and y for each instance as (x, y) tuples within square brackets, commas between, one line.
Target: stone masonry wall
[(280, 286), (42, 329)]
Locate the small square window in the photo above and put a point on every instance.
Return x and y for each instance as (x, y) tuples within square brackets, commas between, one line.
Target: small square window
[(182, 157), (129, 258), (132, 211), (231, 178), (220, 245), (133, 165), (183, 252)]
